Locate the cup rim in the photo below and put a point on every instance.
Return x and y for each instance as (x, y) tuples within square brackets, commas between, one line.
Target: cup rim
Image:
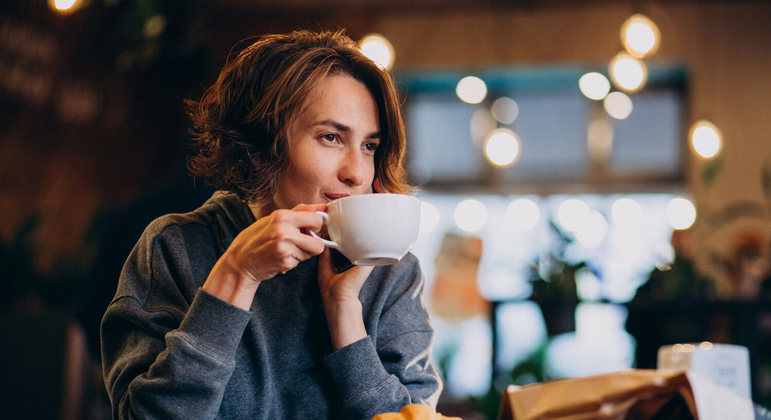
[(408, 196)]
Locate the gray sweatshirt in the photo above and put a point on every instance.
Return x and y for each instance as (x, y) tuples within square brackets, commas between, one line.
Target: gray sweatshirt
[(171, 350)]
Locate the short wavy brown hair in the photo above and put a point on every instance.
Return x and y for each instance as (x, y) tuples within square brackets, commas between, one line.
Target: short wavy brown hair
[(241, 124)]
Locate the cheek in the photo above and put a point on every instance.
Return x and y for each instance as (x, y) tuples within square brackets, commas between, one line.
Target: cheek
[(308, 174)]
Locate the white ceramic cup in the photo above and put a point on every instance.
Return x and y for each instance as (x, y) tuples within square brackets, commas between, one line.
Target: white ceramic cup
[(372, 229)]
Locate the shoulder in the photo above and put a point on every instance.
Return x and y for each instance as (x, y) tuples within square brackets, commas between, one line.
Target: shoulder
[(219, 219), (174, 254)]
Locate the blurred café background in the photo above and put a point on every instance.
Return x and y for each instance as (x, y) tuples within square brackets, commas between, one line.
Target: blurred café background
[(595, 175)]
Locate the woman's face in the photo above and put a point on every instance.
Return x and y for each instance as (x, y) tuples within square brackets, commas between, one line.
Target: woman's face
[(332, 144)]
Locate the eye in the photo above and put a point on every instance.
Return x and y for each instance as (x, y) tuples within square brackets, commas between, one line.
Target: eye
[(371, 146), (330, 137)]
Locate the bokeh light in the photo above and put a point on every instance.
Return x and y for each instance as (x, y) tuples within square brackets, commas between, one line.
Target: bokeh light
[(378, 48), (664, 253), (706, 139), (154, 26), (471, 90), (628, 73), (588, 286), (505, 110), (640, 36), (502, 147), (523, 214), (482, 123), (618, 105), (680, 213), (599, 139), (65, 6), (592, 230), (626, 213), (470, 215), (594, 85), (429, 217), (572, 213)]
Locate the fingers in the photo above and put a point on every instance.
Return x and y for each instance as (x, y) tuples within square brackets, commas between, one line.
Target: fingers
[(297, 219), (327, 266), (288, 234), (340, 287), (361, 271), (310, 207)]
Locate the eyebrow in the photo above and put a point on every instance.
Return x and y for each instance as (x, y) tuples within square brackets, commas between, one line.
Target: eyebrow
[(344, 128)]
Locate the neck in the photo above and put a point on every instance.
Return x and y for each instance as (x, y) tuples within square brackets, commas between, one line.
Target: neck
[(262, 208)]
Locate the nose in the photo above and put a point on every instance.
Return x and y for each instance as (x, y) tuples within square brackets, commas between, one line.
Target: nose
[(354, 169)]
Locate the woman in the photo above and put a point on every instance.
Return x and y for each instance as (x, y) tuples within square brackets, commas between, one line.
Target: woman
[(233, 310)]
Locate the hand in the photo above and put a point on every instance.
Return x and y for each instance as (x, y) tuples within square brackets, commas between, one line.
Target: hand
[(276, 243), (340, 295), (273, 244), (340, 287)]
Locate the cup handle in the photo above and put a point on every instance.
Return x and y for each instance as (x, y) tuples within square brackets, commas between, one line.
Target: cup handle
[(327, 242)]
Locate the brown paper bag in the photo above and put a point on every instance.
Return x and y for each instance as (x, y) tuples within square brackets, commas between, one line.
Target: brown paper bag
[(633, 394)]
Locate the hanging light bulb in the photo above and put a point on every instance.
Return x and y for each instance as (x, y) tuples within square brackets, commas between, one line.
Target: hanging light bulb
[(618, 105), (502, 147), (470, 215), (640, 36), (706, 139), (65, 6), (594, 85), (471, 90), (680, 213), (628, 73), (378, 49)]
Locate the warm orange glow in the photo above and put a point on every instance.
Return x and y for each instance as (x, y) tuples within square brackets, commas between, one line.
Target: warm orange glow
[(628, 73), (706, 139), (378, 48), (640, 36), (599, 139), (65, 6)]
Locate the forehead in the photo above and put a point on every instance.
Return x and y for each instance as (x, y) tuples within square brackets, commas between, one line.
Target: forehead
[(342, 97)]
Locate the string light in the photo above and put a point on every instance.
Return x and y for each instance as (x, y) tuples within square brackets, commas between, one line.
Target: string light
[(378, 48), (594, 85), (618, 105), (470, 215), (628, 73), (640, 36), (706, 139), (65, 6), (680, 213), (504, 110), (572, 214), (471, 90), (502, 147), (523, 214)]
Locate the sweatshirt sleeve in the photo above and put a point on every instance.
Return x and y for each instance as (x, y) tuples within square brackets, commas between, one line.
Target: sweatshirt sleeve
[(162, 358), (392, 366)]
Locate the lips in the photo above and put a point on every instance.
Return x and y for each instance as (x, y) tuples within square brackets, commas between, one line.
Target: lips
[(332, 197)]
